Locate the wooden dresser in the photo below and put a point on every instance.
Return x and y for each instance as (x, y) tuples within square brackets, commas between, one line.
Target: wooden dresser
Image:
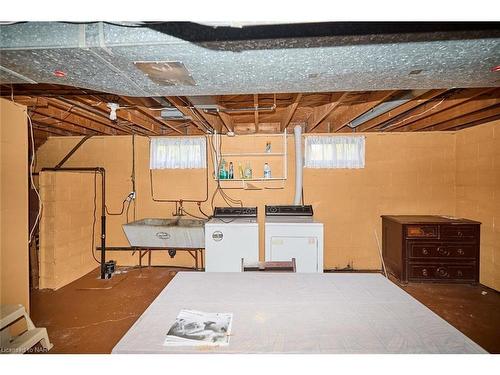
[(431, 248)]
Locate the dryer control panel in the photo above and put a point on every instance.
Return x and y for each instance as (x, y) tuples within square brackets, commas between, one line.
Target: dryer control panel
[(289, 210)]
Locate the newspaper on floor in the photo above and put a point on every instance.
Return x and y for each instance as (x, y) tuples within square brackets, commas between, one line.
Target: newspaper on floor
[(193, 328)]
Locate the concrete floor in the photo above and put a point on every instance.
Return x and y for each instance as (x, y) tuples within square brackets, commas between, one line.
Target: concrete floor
[(91, 315)]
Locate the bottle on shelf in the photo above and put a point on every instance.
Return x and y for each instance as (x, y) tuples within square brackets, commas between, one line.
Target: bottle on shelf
[(230, 171), (240, 170), (267, 171), (222, 171), (248, 171)]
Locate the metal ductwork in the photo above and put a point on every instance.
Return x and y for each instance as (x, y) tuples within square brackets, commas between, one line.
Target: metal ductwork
[(187, 59)]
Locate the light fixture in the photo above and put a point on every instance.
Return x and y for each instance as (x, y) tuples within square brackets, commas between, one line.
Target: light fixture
[(112, 113)]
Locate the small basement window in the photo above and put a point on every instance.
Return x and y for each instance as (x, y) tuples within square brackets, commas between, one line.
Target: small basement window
[(177, 153), (335, 152)]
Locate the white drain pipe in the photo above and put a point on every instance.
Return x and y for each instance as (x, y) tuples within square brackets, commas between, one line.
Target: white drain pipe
[(298, 165)]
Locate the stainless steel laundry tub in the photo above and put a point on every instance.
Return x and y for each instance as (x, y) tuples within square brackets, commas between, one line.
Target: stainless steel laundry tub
[(168, 233)]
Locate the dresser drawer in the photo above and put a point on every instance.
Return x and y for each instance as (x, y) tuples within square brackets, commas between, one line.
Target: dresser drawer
[(441, 250), (449, 272), (422, 231), (458, 232)]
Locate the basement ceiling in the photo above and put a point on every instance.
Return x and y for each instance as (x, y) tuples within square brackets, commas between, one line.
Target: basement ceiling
[(208, 60)]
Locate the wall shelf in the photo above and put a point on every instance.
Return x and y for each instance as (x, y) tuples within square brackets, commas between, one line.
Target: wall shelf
[(255, 154), (276, 156)]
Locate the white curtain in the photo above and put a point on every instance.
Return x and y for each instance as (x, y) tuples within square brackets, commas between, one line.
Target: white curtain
[(335, 152), (177, 152)]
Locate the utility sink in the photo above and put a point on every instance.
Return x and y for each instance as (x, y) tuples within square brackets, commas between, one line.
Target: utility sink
[(167, 233)]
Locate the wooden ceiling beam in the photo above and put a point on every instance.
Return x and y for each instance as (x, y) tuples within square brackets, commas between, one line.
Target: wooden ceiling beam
[(256, 113), (61, 127), (213, 120), (184, 106), (76, 109), (477, 103), (31, 101), (290, 111), (227, 120), (478, 122), (433, 106), (349, 111), (50, 130), (61, 116), (124, 114), (321, 112), (468, 118), (152, 115), (387, 116)]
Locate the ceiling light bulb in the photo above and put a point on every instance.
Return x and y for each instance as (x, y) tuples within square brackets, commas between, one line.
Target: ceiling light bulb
[(112, 113)]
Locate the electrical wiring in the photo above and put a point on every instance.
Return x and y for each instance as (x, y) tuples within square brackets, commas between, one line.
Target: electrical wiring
[(417, 115), (128, 199), (203, 213), (196, 217), (32, 164)]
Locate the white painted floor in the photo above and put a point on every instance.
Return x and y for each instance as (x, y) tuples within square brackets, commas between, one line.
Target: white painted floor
[(299, 313)]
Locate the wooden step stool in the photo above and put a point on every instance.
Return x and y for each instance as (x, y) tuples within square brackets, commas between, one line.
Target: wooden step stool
[(10, 314)]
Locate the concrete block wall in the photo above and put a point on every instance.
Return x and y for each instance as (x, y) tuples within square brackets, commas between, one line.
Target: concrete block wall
[(478, 192), (405, 173), (66, 227)]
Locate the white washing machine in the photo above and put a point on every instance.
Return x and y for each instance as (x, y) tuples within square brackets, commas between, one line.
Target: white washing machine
[(228, 239), (292, 232)]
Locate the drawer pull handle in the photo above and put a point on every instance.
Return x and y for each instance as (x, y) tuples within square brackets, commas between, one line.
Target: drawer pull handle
[(424, 272), (460, 234), (425, 251), (459, 273), (460, 252), (443, 251), (442, 272)]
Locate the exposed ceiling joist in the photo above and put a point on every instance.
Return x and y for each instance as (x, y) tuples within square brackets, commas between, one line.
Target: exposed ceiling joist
[(321, 112), (290, 112), (227, 120), (183, 105), (374, 122), (349, 111), (477, 103), (61, 116), (440, 103), (473, 117), (256, 113), (76, 109), (152, 115)]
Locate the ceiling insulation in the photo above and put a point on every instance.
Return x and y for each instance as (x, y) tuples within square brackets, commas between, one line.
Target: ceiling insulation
[(104, 57)]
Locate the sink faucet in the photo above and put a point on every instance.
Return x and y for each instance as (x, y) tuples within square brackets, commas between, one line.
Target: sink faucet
[(179, 210)]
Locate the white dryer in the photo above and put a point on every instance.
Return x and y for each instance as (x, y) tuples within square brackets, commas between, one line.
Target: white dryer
[(230, 238), (292, 232)]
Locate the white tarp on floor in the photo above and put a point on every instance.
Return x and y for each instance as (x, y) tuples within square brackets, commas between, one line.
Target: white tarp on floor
[(299, 313)]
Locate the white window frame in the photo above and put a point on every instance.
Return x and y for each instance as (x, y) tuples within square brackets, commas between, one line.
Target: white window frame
[(178, 153), (335, 152)]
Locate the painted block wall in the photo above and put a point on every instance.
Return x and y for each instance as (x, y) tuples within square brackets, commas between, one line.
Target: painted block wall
[(14, 267), (412, 173), (478, 192), (66, 226)]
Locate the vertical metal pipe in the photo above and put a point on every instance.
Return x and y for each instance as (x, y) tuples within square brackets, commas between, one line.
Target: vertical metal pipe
[(103, 222), (298, 164)]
